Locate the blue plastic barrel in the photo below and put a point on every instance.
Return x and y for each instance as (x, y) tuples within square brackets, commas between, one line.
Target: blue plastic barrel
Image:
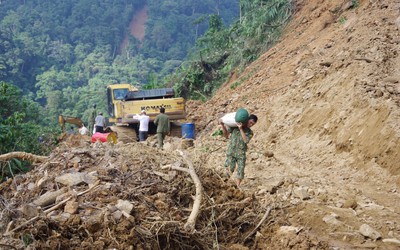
[(188, 130)]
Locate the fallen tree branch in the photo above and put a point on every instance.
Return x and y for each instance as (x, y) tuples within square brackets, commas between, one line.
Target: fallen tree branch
[(191, 222), (51, 209), (259, 224), (23, 156), (5, 245)]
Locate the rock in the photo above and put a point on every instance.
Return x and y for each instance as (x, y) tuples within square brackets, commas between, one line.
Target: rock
[(76, 159), (117, 215), (369, 232), (91, 178), (125, 206), (94, 223), (70, 179), (397, 22), (273, 186), (29, 210), (168, 177), (302, 193), (326, 63), (332, 219), (378, 93), (350, 203), (261, 191), (347, 5), (71, 207), (289, 230), (254, 156), (392, 79), (31, 186), (63, 217)]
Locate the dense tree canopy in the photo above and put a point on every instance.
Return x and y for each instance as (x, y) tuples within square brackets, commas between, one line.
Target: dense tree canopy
[(53, 48), (57, 56)]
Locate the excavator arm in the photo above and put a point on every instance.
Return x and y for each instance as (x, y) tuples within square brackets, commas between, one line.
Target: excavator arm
[(69, 119)]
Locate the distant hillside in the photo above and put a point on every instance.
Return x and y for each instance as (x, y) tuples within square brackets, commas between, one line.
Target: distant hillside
[(63, 53)]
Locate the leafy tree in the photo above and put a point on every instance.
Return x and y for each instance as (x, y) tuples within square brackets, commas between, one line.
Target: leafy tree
[(221, 49), (20, 122)]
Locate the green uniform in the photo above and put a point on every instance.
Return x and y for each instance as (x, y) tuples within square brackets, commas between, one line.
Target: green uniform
[(162, 123), (237, 148), (92, 119)]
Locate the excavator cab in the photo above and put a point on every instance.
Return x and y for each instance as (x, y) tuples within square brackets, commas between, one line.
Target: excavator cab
[(115, 94)]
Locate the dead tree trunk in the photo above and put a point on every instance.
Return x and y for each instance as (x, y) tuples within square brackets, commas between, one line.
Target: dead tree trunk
[(23, 156)]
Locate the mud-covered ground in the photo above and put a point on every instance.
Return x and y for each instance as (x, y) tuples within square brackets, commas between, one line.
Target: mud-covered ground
[(322, 169)]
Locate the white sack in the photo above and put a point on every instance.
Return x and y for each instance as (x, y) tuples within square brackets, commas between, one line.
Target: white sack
[(229, 120)]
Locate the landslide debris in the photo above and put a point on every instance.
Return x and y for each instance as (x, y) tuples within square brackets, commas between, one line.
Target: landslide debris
[(324, 157), (104, 196)]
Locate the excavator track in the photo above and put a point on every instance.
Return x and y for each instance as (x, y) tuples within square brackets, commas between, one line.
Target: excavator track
[(125, 134), (175, 130)]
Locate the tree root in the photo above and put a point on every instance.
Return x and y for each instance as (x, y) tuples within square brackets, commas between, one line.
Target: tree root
[(191, 222)]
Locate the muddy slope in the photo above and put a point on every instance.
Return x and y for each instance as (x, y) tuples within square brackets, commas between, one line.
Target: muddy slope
[(327, 96), (333, 78)]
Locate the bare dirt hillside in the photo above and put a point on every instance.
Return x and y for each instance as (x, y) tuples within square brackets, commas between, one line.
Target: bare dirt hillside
[(323, 167), (328, 98), (136, 27)]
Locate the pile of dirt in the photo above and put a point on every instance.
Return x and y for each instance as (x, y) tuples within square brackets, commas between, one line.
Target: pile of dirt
[(102, 196)]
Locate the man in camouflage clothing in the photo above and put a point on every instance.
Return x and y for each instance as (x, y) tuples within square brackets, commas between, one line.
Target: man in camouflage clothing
[(237, 146), (163, 127), (92, 118)]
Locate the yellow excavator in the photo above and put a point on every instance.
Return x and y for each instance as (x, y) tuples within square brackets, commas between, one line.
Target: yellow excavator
[(125, 100)]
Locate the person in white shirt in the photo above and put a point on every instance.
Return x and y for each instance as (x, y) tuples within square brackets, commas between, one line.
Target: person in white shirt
[(143, 125), (100, 123), (83, 130)]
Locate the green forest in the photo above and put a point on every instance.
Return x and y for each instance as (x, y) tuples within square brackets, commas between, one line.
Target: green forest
[(57, 56)]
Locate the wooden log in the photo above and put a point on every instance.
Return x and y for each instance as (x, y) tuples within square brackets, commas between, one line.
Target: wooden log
[(49, 197), (23, 156)]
